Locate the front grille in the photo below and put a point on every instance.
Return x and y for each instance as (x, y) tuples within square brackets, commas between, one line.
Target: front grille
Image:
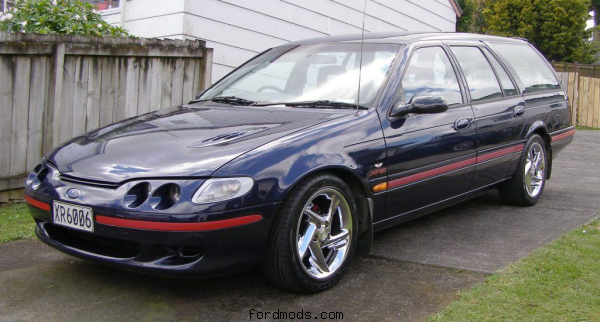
[(88, 182), (93, 243)]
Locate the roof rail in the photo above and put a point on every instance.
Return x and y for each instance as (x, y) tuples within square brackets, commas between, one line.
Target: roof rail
[(521, 38)]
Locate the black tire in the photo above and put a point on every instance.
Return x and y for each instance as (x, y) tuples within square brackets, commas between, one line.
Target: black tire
[(281, 265), (514, 191)]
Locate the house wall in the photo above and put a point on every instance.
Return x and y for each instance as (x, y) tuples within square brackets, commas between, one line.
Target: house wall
[(150, 18), (240, 29)]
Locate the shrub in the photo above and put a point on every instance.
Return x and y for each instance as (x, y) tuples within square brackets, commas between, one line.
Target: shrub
[(556, 27), (64, 17)]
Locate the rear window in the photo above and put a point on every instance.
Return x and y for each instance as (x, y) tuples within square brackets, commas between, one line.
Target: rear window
[(480, 76), (531, 68)]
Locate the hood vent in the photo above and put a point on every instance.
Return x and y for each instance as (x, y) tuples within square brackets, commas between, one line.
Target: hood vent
[(228, 137)]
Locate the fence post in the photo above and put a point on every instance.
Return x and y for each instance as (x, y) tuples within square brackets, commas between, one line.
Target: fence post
[(55, 99), (575, 101), (207, 69)]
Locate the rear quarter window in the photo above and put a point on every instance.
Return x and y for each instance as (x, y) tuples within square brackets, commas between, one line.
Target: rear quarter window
[(529, 65)]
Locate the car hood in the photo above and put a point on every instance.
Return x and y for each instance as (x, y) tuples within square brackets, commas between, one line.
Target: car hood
[(179, 142)]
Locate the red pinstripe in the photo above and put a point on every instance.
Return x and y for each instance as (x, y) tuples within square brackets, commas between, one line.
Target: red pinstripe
[(497, 154), (431, 173), (563, 135), (453, 166), (169, 226), (37, 204)]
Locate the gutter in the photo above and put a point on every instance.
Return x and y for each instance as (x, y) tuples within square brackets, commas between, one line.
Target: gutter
[(456, 8)]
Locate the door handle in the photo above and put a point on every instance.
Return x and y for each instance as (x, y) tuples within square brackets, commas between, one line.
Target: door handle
[(462, 123), (519, 111)]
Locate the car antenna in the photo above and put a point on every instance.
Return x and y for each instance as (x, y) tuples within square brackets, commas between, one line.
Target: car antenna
[(362, 43)]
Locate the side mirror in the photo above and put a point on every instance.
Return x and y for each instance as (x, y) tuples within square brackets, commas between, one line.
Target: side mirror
[(421, 105)]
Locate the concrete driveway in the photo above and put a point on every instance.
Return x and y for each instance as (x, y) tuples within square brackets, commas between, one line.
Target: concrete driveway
[(413, 271)]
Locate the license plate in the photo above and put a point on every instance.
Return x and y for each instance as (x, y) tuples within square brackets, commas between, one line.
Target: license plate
[(73, 216)]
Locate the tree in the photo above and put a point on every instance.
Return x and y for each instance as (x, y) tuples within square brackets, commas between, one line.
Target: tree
[(556, 27), (472, 18), (65, 17)]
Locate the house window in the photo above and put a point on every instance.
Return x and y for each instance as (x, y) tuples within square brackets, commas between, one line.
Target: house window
[(104, 4)]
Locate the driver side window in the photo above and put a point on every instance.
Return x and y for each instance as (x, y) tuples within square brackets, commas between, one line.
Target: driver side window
[(430, 73)]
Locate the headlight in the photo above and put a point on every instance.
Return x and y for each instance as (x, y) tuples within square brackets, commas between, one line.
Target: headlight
[(35, 178), (30, 178), (215, 190)]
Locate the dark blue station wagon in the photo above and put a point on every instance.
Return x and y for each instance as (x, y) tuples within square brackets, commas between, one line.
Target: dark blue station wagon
[(295, 159)]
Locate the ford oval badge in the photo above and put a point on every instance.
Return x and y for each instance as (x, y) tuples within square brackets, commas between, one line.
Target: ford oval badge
[(73, 193)]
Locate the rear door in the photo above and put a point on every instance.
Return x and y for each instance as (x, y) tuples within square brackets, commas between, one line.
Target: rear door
[(430, 158), (545, 99), (498, 107)]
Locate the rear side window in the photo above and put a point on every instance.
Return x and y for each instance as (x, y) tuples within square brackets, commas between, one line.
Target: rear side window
[(479, 74), (430, 73), (508, 87), (531, 68)]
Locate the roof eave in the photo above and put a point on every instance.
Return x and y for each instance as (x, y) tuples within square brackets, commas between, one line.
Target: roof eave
[(456, 8)]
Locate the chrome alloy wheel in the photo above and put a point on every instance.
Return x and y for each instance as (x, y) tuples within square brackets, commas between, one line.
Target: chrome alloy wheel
[(534, 170), (324, 233)]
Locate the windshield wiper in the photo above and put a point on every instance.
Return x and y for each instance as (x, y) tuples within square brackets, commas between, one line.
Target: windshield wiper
[(232, 100), (320, 103)]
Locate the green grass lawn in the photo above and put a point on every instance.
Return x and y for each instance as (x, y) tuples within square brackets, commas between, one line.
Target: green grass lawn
[(15, 223), (586, 128), (559, 282)]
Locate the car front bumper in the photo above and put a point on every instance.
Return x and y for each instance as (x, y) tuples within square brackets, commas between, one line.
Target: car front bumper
[(198, 249)]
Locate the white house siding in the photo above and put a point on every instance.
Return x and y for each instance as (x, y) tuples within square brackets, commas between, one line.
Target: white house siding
[(112, 17), (151, 18), (240, 29)]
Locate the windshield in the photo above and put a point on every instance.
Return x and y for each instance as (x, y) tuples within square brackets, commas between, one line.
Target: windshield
[(323, 72)]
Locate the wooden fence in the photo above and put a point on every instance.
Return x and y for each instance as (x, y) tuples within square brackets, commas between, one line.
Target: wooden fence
[(53, 88), (582, 83)]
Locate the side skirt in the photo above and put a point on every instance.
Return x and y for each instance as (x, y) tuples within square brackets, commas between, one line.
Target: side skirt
[(414, 214)]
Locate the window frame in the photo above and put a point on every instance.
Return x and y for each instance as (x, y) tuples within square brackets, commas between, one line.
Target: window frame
[(109, 10), (404, 69), (515, 75), (399, 51), (5, 4), (479, 47), (488, 52)]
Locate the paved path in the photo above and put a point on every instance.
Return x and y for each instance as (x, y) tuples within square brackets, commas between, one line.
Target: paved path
[(414, 269)]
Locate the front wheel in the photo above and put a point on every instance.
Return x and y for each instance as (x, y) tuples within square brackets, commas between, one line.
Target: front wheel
[(315, 236), (526, 187)]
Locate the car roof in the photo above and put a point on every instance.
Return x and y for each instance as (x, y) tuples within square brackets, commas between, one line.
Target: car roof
[(405, 38)]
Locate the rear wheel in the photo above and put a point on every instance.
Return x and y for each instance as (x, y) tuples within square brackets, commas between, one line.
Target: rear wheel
[(526, 187), (315, 236)]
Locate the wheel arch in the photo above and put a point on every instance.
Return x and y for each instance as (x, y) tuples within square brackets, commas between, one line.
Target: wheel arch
[(361, 195), (540, 129)]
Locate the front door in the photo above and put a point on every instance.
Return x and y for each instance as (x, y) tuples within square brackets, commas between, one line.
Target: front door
[(430, 156)]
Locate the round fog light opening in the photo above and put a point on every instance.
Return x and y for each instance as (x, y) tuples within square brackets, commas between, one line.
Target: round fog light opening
[(136, 196), (165, 197)]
